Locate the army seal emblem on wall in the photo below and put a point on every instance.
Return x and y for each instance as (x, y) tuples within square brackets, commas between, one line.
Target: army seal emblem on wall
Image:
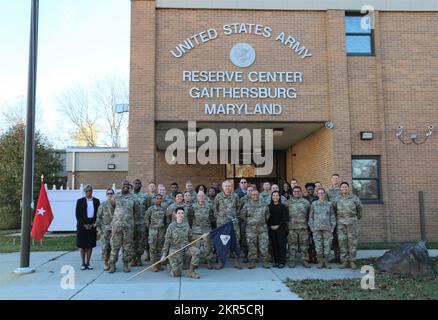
[(242, 55)]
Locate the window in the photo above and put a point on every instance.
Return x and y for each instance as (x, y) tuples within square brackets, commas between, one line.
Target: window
[(366, 178), (359, 35)]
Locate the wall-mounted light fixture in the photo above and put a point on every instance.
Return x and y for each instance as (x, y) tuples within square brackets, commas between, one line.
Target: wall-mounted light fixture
[(413, 136), (111, 166), (366, 135)]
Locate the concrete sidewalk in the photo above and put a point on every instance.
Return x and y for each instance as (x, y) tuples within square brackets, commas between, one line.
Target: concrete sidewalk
[(225, 284)]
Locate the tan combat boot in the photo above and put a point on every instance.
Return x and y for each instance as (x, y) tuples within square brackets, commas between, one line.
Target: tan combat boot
[(306, 264), (344, 265), (175, 273), (192, 273), (112, 267), (252, 264), (326, 263), (155, 268), (321, 263), (266, 264), (237, 263), (352, 265), (106, 265), (134, 262), (209, 265), (126, 267)]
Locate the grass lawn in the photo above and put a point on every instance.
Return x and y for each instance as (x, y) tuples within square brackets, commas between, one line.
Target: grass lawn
[(387, 287), (61, 243)]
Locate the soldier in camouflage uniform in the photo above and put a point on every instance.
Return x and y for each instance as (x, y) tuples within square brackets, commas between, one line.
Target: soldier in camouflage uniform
[(173, 190), (265, 196), (122, 234), (333, 192), (104, 218), (155, 220), (256, 215), (298, 237), (179, 202), (167, 199), (226, 207), (189, 189), (348, 210), (178, 235), (202, 217), (243, 239), (322, 222), (140, 229)]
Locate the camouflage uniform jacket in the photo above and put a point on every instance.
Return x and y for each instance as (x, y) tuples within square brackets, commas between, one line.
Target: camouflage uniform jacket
[(177, 236), (104, 216), (333, 193), (348, 209), (187, 212), (144, 201), (322, 216), (298, 213), (265, 198), (202, 217), (155, 217), (226, 208), (255, 214), (126, 208), (167, 201)]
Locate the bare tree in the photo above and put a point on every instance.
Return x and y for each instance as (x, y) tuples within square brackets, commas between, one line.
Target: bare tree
[(75, 103), (13, 112), (107, 93)]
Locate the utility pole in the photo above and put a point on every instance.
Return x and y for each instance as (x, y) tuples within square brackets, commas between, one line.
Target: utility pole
[(29, 146)]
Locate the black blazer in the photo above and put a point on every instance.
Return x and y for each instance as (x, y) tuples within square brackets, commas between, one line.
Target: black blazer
[(81, 212)]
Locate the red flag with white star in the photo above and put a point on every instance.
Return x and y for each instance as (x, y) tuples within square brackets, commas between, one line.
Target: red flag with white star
[(43, 215)]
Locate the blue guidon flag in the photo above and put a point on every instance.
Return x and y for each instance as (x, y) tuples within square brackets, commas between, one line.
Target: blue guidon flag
[(224, 238)]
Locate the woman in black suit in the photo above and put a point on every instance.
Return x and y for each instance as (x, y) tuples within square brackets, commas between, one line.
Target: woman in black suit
[(86, 209), (277, 223)]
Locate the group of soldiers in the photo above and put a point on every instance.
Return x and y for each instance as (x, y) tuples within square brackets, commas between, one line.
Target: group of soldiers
[(156, 224)]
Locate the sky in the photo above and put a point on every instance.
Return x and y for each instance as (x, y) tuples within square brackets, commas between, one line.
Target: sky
[(79, 41)]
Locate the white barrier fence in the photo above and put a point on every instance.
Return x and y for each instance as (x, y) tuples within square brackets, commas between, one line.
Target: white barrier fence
[(63, 203)]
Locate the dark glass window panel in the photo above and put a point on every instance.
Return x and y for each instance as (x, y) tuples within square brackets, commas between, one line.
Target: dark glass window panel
[(365, 168), (355, 24), (366, 189), (358, 44)]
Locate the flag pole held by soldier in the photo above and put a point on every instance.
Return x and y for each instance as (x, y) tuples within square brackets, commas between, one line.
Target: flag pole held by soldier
[(170, 255)]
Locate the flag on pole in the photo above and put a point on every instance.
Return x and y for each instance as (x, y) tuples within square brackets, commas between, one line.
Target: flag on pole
[(224, 238), (43, 215)]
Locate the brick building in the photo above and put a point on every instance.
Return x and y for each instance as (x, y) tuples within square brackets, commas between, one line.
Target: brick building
[(361, 75)]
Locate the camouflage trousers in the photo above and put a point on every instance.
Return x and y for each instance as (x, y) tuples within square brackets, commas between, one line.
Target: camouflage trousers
[(176, 261), (122, 237), (258, 241), (204, 246), (348, 237), (105, 239), (146, 240), (298, 240), (243, 237), (323, 242), (156, 242), (139, 241), (335, 246)]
